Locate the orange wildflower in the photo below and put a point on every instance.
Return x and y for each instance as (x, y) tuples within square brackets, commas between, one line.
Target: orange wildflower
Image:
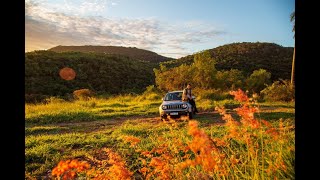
[(68, 169), (240, 95), (132, 140), (144, 170)]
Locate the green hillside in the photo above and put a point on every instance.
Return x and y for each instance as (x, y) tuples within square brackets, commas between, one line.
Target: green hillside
[(131, 52), (248, 57), (116, 73), (98, 72)]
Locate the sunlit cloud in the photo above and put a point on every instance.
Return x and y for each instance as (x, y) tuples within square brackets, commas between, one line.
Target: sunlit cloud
[(46, 27)]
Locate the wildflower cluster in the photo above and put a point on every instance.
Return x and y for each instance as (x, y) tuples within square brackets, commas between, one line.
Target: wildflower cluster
[(157, 162), (206, 154), (68, 169), (258, 136), (132, 140), (248, 148), (112, 168)]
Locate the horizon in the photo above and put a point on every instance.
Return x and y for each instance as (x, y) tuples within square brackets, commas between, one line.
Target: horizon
[(165, 27), (156, 52)]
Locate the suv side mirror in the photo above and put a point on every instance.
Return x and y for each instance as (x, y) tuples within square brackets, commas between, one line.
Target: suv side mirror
[(193, 97)]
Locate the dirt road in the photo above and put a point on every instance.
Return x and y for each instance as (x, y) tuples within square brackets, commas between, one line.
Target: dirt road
[(212, 118)]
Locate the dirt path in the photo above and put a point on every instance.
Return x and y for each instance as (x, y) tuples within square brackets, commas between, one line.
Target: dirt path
[(210, 117)]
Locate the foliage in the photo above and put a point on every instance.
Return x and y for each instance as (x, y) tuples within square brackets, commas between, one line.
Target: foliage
[(131, 52), (281, 90), (203, 74), (100, 73), (151, 93), (35, 98), (227, 103), (229, 80), (247, 57), (174, 78), (54, 100), (212, 94), (204, 70), (200, 74), (258, 80)]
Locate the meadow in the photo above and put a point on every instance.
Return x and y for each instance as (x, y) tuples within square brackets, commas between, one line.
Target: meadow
[(122, 137)]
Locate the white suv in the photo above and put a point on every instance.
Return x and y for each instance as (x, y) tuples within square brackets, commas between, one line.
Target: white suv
[(173, 106)]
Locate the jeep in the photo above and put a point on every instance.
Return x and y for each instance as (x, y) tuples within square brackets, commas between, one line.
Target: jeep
[(172, 106)]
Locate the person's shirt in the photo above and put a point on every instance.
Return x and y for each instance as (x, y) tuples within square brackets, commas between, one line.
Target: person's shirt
[(187, 94)]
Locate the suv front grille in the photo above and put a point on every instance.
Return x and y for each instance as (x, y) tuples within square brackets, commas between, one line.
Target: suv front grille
[(179, 106)]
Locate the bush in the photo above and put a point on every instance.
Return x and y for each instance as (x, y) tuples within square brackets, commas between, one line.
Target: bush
[(151, 93), (258, 80), (153, 97), (54, 100), (151, 89), (232, 79), (279, 91), (212, 94), (34, 98), (83, 94), (227, 103)]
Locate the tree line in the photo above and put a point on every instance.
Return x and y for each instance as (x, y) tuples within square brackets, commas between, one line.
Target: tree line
[(247, 57), (203, 74), (105, 74)]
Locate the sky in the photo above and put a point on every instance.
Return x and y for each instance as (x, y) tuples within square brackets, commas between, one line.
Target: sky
[(172, 28)]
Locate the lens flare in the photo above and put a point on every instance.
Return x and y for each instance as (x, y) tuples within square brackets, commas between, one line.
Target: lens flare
[(67, 73)]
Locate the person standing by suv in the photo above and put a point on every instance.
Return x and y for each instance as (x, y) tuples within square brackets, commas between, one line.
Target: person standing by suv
[(187, 96)]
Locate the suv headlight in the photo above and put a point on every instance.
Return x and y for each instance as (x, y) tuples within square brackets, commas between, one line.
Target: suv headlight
[(164, 107), (184, 106)]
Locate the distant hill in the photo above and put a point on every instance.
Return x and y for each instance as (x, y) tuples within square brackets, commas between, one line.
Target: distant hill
[(131, 52), (125, 70), (103, 73), (248, 57)]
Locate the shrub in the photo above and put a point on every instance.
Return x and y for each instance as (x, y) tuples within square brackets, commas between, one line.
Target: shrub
[(213, 94), (82, 94), (151, 93), (279, 91), (153, 97), (227, 103), (54, 100), (34, 98), (229, 79), (258, 80), (151, 89)]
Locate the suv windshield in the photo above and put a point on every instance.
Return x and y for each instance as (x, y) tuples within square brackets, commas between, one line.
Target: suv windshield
[(173, 96)]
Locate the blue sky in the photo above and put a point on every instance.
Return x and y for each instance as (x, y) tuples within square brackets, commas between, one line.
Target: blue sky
[(172, 28)]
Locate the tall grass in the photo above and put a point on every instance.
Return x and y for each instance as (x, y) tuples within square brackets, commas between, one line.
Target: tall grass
[(92, 109), (248, 148)]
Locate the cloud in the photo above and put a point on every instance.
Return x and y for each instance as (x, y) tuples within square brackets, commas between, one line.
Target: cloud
[(47, 27)]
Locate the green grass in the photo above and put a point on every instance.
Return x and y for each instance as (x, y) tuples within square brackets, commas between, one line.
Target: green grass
[(91, 110), (69, 130)]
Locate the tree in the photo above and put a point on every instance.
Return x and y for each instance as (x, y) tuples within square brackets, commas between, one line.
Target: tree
[(232, 79), (205, 70), (292, 19), (258, 80)]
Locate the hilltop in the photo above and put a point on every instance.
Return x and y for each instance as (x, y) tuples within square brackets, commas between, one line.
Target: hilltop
[(131, 52), (247, 57), (114, 73)]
